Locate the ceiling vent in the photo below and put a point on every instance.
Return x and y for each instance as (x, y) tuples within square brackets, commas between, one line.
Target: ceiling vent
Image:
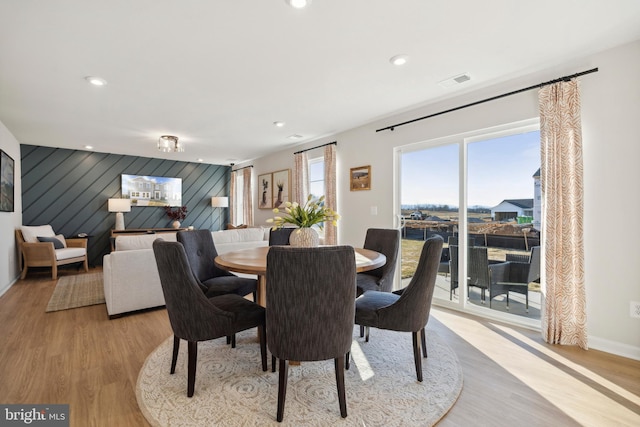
[(456, 80)]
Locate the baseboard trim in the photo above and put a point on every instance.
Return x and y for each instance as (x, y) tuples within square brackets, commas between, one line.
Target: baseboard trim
[(614, 347)]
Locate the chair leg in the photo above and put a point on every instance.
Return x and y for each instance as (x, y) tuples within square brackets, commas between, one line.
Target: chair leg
[(507, 300), (423, 338), (416, 355), (263, 347), (191, 374), (233, 341), (339, 365), (174, 358), (282, 387), (527, 299), (366, 328), (361, 331), (54, 271), (273, 363), (347, 360)]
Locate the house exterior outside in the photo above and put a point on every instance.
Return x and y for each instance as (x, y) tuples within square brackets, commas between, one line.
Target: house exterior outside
[(512, 208), (537, 201)]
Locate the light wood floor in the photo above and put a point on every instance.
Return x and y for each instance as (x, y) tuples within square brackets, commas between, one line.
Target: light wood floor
[(511, 378)]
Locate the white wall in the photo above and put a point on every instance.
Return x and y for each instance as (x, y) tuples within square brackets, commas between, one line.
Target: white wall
[(610, 112), (9, 221)]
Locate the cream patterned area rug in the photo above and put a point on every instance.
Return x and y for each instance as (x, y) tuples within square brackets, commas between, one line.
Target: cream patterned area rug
[(77, 291), (232, 390)]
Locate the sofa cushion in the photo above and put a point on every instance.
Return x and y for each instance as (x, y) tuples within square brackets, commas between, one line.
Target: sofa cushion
[(30, 233), (66, 253), (141, 241), (238, 235), (57, 244)]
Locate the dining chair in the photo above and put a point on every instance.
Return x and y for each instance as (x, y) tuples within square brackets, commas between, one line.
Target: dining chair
[(406, 310), (311, 295), (214, 281), (387, 242), (193, 316), (280, 236)]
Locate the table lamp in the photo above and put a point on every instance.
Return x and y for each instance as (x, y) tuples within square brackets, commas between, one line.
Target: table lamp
[(119, 206), (220, 202)]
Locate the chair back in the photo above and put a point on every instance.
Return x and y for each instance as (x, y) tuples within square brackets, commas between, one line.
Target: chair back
[(534, 267), (479, 275), (453, 240), (280, 236), (387, 242), (201, 251), (411, 312), (311, 301), (192, 316)]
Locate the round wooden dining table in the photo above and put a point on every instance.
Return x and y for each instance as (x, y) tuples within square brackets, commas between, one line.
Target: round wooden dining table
[(254, 261)]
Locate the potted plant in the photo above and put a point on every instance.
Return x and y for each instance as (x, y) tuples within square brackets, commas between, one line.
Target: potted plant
[(314, 212), (177, 215)]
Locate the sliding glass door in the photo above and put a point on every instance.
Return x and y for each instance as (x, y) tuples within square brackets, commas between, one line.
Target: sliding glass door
[(481, 193)]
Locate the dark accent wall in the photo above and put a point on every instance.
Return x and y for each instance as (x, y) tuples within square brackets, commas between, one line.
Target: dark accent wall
[(69, 189)]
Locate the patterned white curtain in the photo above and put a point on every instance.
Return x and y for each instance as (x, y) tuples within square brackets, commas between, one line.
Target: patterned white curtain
[(233, 207), (564, 309), (247, 196), (301, 178), (331, 201)]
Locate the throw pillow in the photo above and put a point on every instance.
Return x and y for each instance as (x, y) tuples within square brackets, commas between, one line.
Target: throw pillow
[(57, 244)]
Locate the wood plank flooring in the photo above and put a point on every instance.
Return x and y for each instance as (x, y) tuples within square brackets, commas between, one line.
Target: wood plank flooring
[(511, 377)]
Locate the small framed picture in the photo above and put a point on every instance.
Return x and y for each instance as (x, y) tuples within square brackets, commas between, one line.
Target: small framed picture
[(265, 191), (281, 187), (360, 178)]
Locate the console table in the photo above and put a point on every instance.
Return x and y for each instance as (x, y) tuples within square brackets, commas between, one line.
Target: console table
[(134, 231)]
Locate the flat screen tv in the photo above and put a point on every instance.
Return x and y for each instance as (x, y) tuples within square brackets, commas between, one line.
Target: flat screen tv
[(152, 190)]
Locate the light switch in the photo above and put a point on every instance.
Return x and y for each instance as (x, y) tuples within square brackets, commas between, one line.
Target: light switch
[(374, 210)]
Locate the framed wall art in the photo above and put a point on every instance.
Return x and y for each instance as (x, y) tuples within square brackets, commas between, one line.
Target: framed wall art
[(265, 191), (360, 178), (281, 187), (152, 190), (6, 182)]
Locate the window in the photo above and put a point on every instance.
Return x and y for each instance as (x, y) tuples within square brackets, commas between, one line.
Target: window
[(316, 177)]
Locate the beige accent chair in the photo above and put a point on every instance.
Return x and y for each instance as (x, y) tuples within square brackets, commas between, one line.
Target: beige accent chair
[(37, 245)]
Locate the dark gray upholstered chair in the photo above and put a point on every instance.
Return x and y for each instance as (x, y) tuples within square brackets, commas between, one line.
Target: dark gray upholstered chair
[(214, 281), (193, 316), (514, 276), (387, 242), (280, 236), (311, 295), (406, 310)]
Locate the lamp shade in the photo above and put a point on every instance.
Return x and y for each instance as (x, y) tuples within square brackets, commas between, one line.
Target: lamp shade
[(220, 202), (119, 205)]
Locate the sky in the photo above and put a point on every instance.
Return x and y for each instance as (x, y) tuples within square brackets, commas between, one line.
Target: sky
[(498, 169)]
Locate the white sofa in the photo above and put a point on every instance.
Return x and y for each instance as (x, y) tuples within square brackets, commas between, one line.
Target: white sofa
[(131, 280)]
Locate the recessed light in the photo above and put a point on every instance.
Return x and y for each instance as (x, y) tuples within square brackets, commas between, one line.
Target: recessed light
[(96, 81), (89, 147), (201, 160), (294, 136), (399, 59), (298, 4), (278, 124)]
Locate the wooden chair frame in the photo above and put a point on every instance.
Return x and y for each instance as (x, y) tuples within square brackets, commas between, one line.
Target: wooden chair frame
[(43, 254)]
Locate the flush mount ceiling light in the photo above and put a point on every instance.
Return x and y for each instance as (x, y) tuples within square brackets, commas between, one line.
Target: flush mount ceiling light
[(294, 136), (168, 143), (298, 4), (96, 81), (278, 124), (399, 59)]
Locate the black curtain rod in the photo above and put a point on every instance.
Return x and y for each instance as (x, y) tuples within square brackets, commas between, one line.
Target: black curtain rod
[(239, 169), (561, 79), (319, 146)]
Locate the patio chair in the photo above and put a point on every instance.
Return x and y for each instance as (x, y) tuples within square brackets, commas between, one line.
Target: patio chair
[(514, 276), (478, 270)]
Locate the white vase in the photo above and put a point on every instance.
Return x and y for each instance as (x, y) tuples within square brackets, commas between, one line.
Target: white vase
[(304, 238), (176, 224)]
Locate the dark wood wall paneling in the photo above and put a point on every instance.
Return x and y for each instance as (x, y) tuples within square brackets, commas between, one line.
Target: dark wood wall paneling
[(69, 189)]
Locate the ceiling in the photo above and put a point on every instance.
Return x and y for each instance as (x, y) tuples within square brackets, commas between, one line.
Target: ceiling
[(218, 74)]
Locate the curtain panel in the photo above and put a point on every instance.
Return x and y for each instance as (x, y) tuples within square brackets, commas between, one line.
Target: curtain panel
[(301, 178), (331, 201), (564, 301), (233, 203), (247, 196)]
